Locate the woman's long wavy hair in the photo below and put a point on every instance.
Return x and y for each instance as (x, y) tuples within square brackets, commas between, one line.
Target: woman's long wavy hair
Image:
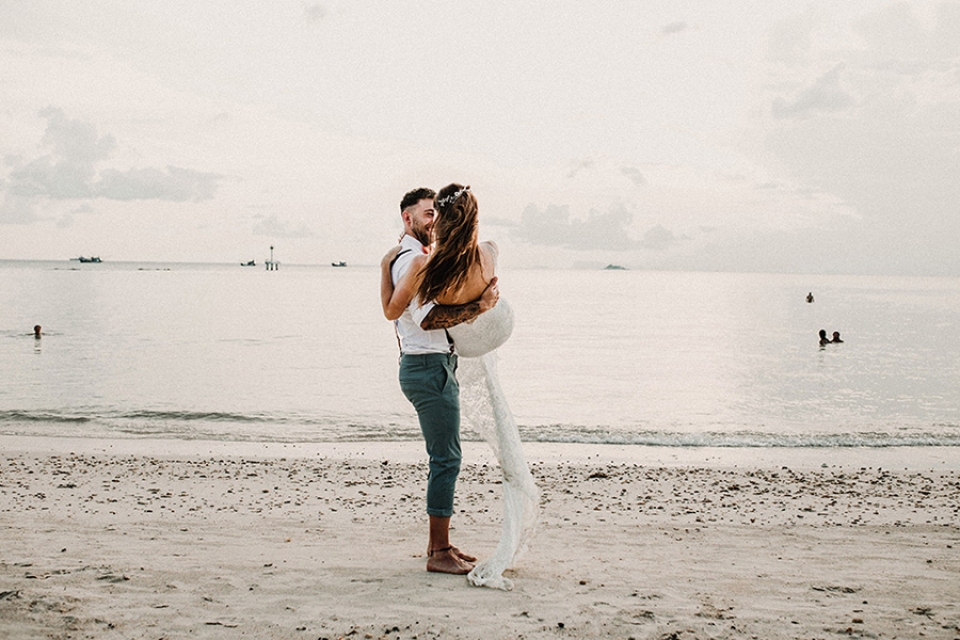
[(456, 251)]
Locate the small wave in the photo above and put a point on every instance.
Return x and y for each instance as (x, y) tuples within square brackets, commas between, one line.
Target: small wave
[(97, 415), (742, 439), (193, 416), (42, 416), (95, 422)]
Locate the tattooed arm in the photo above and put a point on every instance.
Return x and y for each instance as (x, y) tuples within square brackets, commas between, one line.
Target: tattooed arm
[(444, 317)]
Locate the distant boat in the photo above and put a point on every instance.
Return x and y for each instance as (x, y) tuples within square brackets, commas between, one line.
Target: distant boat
[(338, 264), (615, 267), (252, 263), (91, 259)]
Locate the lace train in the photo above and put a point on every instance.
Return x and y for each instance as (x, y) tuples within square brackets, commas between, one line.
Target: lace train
[(485, 408)]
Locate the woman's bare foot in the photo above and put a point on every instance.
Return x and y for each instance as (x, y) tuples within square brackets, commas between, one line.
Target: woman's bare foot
[(448, 560)]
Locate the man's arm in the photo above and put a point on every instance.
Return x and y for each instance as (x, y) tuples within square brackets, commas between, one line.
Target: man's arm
[(444, 317), (395, 299), (386, 280)]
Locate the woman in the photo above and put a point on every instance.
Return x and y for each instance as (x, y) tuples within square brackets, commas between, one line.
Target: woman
[(457, 271)]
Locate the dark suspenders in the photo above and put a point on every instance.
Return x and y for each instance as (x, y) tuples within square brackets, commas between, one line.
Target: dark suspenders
[(399, 346), (393, 262)]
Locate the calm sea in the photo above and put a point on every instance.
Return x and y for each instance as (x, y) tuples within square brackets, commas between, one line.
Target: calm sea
[(224, 352)]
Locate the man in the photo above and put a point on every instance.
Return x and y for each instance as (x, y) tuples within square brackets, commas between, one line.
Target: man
[(428, 368)]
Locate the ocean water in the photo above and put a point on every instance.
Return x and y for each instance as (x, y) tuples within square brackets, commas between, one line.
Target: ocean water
[(230, 353)]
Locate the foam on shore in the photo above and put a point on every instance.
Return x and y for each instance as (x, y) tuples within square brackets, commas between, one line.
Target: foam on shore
[(908, 458)]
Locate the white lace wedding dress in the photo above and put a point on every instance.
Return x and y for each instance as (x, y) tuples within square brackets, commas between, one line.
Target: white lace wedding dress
[(484, 407)]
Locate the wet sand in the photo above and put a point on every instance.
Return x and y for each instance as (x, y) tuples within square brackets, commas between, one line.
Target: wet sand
[(145, 540)]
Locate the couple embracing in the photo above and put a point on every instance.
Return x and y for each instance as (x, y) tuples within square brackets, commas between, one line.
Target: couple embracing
[(439, 286)]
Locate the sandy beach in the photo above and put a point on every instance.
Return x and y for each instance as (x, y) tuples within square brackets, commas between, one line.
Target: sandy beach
[(135, 539)]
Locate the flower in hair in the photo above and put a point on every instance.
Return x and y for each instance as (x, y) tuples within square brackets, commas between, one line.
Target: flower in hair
[(453, 197)]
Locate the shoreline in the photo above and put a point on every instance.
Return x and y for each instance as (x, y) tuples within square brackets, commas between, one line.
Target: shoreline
[(894, 458), (163, 539)]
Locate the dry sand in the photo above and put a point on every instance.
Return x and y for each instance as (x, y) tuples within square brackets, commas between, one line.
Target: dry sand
[(217, 541)]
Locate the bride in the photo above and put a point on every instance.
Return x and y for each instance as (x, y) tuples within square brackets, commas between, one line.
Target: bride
[(458, 271)]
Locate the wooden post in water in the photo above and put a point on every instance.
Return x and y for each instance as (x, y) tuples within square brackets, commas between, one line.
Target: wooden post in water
[(272, 265)]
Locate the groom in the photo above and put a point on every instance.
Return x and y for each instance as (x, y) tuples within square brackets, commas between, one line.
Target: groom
[(428, 376)]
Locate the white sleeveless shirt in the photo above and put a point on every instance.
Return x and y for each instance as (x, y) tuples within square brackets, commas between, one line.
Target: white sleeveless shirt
[(413, 339)]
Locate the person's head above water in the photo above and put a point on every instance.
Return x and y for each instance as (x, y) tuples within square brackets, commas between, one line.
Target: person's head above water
[(36, 330)]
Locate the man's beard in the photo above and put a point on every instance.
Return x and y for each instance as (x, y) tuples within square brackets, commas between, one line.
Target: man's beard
[(421, 234)]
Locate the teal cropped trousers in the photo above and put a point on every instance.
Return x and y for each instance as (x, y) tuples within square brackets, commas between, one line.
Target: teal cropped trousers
[(429, 381)]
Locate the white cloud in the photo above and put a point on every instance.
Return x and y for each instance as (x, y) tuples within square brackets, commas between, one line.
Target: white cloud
[(72, 167), (634, 175), (74, 140), (826, 95), (314, 12), (674, 27), (554, 226), (658, 238), (172, 184), (273, 227), (46, 176)]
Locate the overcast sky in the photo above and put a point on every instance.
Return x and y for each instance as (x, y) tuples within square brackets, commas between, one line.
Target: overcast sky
[(775, 136)]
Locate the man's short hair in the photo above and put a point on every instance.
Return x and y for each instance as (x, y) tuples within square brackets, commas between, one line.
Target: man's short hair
[(413, 197)]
